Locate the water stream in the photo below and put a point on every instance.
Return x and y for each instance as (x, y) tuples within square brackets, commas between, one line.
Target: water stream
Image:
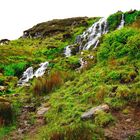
[(29, 73), (90, 39), (122, 22)]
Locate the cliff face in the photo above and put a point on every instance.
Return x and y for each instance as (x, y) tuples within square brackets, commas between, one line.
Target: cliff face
[(79, 80)]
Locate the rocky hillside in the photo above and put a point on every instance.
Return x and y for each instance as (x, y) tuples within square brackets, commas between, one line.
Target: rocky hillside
[(72, 79), (56, 26)]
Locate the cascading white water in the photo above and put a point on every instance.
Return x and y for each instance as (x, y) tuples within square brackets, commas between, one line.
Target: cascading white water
[(29, 74), (122, 22), (40, 71), (67, 51), (91, 35), (90, 38)]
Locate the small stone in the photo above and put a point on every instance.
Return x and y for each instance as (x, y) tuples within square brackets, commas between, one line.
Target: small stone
[(93, 111), (3, 88), (128, 120), (42, 110)]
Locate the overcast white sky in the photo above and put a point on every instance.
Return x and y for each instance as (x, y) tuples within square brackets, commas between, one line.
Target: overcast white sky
[(19, 15)]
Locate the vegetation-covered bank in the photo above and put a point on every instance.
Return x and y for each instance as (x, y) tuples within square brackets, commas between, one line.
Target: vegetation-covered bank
[(52, 106)]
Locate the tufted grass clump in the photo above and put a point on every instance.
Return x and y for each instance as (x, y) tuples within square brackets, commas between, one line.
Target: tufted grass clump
[(6, 113), (103, 119), (46, 85)]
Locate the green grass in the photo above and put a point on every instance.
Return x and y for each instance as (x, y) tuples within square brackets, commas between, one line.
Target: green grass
[(114, 20), (113, 77), (6, 130), (132, 16)]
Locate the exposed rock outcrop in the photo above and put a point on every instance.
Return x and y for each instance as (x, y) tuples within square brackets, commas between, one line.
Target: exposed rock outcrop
[(93, 111), (4, 41)]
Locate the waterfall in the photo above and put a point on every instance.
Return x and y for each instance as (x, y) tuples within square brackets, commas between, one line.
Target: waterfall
[(29, 73), (67, 51), (122, 22), (90, 38), (40, 71), (91, 35)]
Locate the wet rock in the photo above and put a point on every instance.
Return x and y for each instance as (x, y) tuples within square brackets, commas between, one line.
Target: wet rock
[(78, 39), (74, 49), (93, 111)]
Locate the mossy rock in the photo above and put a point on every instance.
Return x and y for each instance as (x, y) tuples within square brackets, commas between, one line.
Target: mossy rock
[(6, 114), (74, 49)]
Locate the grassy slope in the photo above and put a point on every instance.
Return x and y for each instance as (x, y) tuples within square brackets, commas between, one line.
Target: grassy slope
[(112, 77), (22, 53)]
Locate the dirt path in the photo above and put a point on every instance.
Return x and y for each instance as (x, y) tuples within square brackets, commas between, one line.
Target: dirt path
[(127, 125), (26, 123)]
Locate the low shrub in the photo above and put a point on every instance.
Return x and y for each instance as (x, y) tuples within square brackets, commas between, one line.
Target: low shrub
[(100, 94), (119, 44), (14, 69), (123, 92), (43, 85), (136, 24), (127, 76), (103, 119), (113, 75), (114, 20), (73, 62), (131, 16), (78, 132), (115, 103)]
